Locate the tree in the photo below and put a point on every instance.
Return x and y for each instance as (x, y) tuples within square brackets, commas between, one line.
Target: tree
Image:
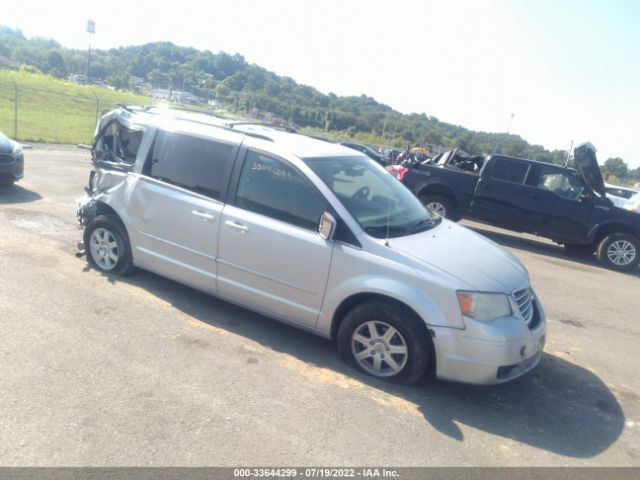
[(616, 167), (55, 63)]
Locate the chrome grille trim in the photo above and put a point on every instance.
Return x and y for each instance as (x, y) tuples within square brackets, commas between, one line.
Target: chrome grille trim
[(524, 300)]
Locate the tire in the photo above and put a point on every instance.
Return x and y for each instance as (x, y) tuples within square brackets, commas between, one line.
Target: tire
[(578, 250), (369, 322), (7, 181), (439, 204), (619, 251), (107, 245)]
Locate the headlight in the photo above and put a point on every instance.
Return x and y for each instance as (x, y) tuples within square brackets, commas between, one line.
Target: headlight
[(484, 307), (17, 148)]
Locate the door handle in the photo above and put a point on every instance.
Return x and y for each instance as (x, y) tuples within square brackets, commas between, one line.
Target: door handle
[(486, 186), (237, 226), (534, 196), (204, 215)]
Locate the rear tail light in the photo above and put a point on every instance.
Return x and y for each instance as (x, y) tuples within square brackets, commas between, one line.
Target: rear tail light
[(398, 171)]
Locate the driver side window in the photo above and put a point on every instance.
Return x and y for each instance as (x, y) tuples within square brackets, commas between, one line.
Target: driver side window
[(273, 188), (560, 183)]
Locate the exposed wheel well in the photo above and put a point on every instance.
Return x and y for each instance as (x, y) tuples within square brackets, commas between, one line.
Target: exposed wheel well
[(104, 209), (439, 190), (607, 230), (356, 299)]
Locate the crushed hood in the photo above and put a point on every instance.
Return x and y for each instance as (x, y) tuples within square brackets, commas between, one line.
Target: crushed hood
[(466, 255), (584, 156)]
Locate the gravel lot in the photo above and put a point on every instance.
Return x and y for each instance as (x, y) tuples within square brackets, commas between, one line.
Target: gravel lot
[(98, 370)]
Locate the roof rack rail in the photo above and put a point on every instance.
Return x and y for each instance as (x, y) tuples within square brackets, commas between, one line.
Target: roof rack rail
[(256, 135), (263, 124), (317, 137), (188, 110), (132, 108)]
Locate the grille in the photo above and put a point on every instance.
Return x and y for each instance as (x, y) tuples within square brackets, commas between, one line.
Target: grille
[(524, 300), (6, 158)]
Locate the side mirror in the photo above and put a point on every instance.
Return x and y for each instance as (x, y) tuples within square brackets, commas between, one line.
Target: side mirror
[(327, 226)]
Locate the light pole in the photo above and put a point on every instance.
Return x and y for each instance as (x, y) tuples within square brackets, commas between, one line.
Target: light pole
[(510, 122), (497, 148), (91, 28), (209, 79)]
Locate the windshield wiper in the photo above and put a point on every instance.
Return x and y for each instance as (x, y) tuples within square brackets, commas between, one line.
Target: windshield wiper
[(423, 225), (380, 231)]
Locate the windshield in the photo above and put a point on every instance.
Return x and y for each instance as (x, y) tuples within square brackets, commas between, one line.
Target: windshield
[(380, 203), (371, 150)]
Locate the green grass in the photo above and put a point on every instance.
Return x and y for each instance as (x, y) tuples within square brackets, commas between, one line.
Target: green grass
[(55, 111)]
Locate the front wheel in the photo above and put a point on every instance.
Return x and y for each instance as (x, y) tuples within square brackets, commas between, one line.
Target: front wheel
[(385, 341), (438, 204), (107, 245), (620, 251)]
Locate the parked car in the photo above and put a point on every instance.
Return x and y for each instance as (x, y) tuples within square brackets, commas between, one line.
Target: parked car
[(368, 151), (313, 234), (619, 195), (568, 206), (11, 161), (633, 204)]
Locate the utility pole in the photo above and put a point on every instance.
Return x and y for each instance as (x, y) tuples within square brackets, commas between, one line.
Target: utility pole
[(91, 28), (566, 162), (384, 124)]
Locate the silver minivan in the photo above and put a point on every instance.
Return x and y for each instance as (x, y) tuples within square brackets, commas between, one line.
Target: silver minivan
[(313, 234)]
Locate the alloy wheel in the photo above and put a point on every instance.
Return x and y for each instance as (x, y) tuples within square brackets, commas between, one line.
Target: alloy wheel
[(438, 208), (379, 348), (621, 252), (104, 248)]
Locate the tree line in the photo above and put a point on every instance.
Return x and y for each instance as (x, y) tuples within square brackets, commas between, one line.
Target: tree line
[(237, 84)]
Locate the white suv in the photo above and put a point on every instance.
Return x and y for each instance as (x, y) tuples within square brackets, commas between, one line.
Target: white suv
[(313, 234)]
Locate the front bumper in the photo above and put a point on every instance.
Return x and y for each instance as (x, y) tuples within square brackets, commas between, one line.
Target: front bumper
[(11, 166), (490, 353)]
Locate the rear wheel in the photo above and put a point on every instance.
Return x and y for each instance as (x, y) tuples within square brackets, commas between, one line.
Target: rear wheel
[(385, 341), (620, 251), (438, 204)]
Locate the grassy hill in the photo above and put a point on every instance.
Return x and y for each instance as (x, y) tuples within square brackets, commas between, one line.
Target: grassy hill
[(52, 110)]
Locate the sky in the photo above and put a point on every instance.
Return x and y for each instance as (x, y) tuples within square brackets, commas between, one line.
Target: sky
[(550, 71)]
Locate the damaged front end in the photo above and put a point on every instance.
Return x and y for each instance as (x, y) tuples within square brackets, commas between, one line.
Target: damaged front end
[(87, 210), (114, 151)]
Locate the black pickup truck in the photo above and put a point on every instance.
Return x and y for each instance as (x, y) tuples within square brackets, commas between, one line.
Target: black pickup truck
[(568, 206)]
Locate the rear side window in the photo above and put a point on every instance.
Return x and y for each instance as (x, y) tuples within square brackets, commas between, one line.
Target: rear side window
[(194, 163), (273, 188), (509, 170)]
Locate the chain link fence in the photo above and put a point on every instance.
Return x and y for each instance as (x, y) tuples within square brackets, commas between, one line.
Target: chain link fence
[(35, 114)]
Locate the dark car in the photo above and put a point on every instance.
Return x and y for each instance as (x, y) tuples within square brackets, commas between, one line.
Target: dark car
[(368, 151), (11, 160)]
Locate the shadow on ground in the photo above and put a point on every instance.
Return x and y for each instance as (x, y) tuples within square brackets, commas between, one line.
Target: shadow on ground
[(17, 194), (560, 407), (540, 247)]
